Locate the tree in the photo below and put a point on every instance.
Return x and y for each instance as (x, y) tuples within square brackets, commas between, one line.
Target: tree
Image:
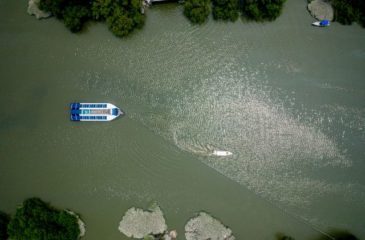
[(4, 221), (119, 23), (261, 10), (197, 11), (102, 9), (349, 11), (75, 16), (36, 219), (55, 7), (122, 16), (225, 10)]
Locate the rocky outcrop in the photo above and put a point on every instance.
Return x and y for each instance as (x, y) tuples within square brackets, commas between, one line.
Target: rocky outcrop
[(33, 9), (321, 9)]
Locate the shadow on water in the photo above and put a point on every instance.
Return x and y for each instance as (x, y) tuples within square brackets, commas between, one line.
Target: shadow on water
[(333, 234)]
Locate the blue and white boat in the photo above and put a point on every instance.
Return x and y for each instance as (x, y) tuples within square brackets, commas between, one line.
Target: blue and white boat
[(322, 23), (90, 112)]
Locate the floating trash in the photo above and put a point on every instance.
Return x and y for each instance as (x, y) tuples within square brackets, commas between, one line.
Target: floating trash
[(205, 227), (138, 223)]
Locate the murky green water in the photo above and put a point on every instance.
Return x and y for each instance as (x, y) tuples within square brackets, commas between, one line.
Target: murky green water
[(286, 98)]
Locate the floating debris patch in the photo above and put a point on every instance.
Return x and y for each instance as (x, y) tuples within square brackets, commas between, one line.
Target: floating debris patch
[(205, 227), (138, 223)]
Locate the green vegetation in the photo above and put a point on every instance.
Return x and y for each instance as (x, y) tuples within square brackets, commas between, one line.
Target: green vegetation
[(36, 219), (225, 10), (122, 16), (349, 11), (262, 10), (74, 13), (4, 221), (197, 11)]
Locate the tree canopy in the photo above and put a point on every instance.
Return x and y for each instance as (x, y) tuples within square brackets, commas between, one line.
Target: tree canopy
[(225, 10), (36, 219), (4, 221), (349, 11), (197, 11), (122, 16), (262, 10)]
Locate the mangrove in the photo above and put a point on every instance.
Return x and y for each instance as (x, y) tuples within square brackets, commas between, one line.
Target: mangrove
[(349, 11), (225, 10), (121, 16), (36, 219), (4, 221), (262, 10), (197, 11)]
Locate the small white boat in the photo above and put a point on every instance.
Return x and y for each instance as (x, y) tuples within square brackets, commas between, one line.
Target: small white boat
[(322, 23), (94, 112), (221, 153)]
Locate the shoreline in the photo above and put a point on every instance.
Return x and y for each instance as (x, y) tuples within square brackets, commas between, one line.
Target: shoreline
[(79, 221)]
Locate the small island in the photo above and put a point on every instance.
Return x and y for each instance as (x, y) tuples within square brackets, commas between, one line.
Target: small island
[(36, 219)]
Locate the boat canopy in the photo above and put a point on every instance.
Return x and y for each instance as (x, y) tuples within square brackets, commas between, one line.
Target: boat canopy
[(115, 111), (325, 22)]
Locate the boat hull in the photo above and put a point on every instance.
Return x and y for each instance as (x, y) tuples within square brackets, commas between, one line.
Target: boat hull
[(221, 153), (323, 23), (94, 112)]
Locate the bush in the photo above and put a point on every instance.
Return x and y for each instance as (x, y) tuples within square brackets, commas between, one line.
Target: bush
[(4, 221), (225, 10), (36, 219), (197, 11)]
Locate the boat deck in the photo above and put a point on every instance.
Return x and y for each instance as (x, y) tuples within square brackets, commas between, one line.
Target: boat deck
[(100, 111)]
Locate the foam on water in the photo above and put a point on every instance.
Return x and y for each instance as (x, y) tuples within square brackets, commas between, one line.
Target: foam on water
[(272, 144), (277, 152)]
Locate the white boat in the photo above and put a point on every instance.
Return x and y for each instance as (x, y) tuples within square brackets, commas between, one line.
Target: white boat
[(221, 153), (322, 23), (94, 112)]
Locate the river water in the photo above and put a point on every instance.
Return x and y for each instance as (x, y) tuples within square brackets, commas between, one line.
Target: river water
[(287, 99)]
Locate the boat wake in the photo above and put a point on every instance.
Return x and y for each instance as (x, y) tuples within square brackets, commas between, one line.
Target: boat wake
[(200, 149)]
